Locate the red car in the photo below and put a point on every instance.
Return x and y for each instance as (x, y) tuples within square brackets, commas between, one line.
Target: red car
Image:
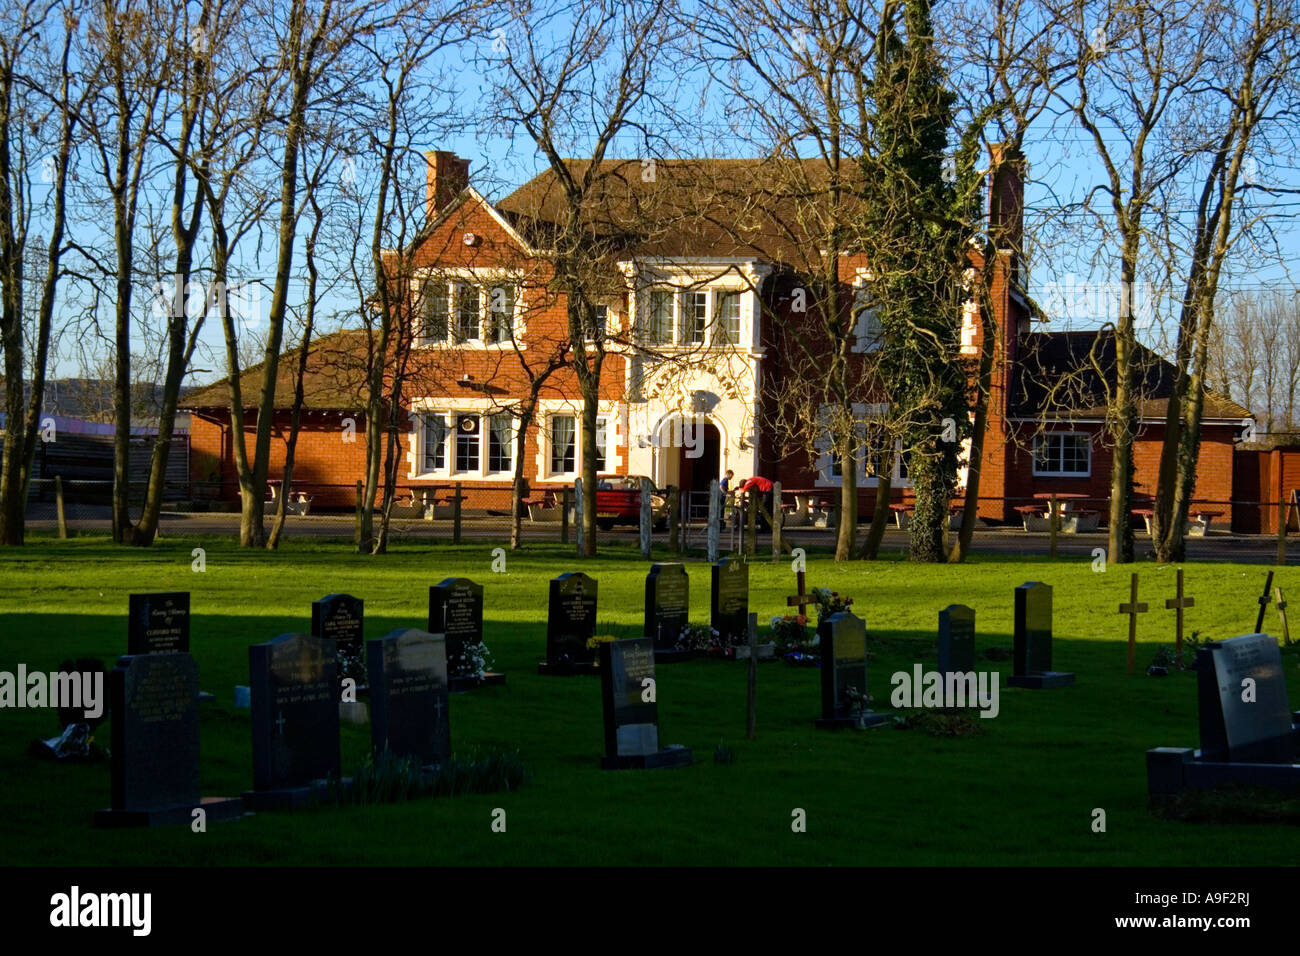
[(618, 501)]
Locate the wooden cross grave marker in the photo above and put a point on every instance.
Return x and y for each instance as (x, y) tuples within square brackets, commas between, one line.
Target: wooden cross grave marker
[(1133, 609), (1280, 604), (1179, 604), (1263, 603), (803, 599)]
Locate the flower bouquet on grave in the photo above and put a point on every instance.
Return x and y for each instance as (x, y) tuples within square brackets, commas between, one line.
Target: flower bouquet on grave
[(793, 642), (473, 662), (699, 637), (351, 663), (830, 602)]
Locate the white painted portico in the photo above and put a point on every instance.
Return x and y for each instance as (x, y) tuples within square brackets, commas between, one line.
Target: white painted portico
[(699, 374)]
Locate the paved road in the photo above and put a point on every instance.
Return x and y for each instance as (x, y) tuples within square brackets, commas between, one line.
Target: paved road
[(1248, 549)]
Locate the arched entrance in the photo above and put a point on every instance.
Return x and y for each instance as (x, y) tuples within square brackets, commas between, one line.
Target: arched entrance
[(690, 452)]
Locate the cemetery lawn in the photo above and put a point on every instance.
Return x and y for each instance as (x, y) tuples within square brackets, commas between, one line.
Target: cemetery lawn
[(1023, 791)]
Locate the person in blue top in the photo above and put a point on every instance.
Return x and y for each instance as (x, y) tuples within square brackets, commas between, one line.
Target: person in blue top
[(725, 487)]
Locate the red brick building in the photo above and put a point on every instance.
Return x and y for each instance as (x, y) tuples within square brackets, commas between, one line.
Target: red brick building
[(698, 318)]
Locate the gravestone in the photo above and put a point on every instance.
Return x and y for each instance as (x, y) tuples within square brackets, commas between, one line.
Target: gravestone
[(956, 640), (341, 619), (293, 682), (628, 695), (408, 695), (456, 612), (667, 610), (729, 601), (1256, 730), (842, 639), (570, 626), (1032, 659), (154, 700), (159, 623), (1249, 736)]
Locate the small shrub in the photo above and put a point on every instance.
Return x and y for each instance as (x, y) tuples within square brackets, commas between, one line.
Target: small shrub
[(1231, 804), (723, 753), (940, 723), (387, 778)]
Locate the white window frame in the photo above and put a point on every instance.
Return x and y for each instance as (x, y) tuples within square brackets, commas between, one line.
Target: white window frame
[(614, 415), (484, 282), (1086, 473), (868, 333), (451, 413), (825, 457)]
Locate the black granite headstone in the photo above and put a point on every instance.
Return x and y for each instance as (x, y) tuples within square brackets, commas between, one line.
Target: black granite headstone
[(293, 682), (667, 609), (456, 612), (154, 700), (956, 640), (570, 625), (1248, 737), (341, 619), (159, 623), (729, 601), (1244, 714), (408, 695), (1032, 657), (628, 694), (842, 639)]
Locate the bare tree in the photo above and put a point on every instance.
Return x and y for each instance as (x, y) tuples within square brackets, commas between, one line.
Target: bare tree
[(1249, 101), (1132, 66), (575, 79), (39, 111)]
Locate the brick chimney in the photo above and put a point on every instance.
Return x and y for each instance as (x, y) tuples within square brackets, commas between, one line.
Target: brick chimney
[(1007, 199), (447, 174)]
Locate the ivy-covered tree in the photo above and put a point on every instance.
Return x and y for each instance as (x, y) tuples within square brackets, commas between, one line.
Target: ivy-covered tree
[(916, 239)]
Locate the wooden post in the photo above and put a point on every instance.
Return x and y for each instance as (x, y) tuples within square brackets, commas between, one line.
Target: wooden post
[(579, 524), (1263, 603), (1281, 531), (647, 518), (751, 521), (751, 713), (674, 519), (777, 517), (564, 515), (715, 511), (1179, 604), (455, 516), (58, 506), (803, 598), (1281, 612), (356, 534), (1053, 523), (1133, 608)]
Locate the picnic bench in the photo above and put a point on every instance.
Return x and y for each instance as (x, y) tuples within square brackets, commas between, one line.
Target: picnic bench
[(1204, 519), (542, 508), (1147, 515), (298, 502), (902, 515)]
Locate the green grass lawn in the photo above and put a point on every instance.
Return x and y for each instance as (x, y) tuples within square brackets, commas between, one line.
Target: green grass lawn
[(1021, 792)]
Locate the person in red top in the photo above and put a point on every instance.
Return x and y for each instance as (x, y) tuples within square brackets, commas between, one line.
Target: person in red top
[(762, 486)]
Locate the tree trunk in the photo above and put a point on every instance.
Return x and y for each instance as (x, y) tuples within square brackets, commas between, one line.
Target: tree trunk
[(971, 506), (1123, 417), (880, 516)]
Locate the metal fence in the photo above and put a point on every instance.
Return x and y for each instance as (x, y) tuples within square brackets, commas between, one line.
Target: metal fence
[(680, 522)]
